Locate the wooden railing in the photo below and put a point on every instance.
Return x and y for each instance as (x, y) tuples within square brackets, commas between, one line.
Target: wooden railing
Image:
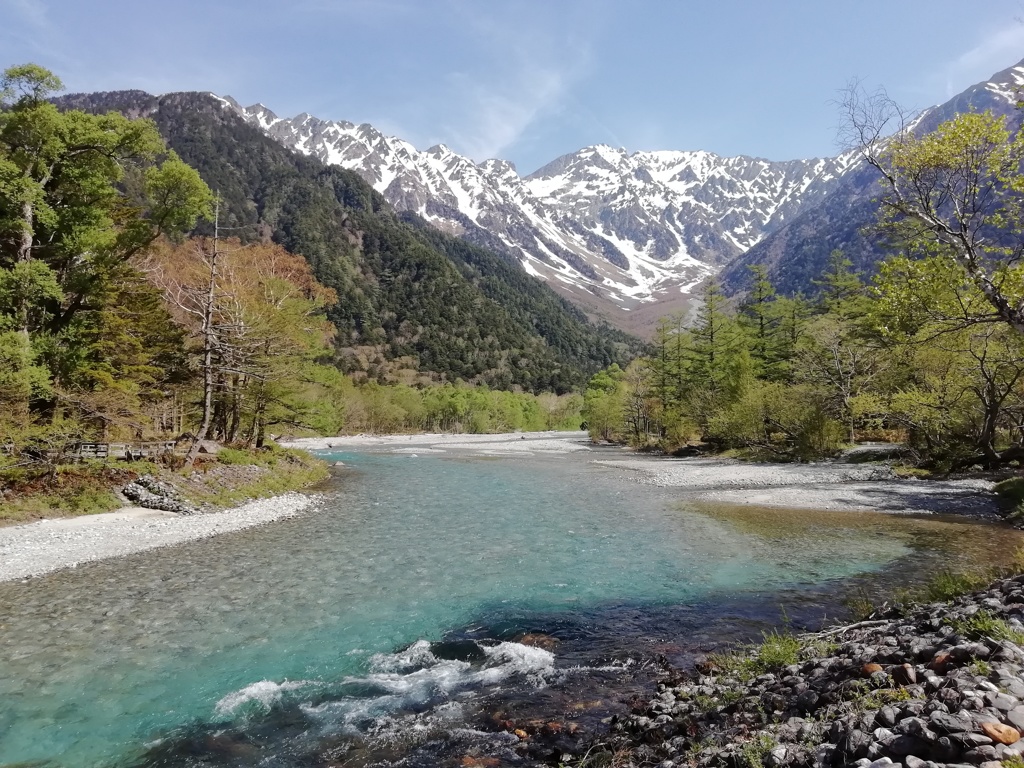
[(126, 451)]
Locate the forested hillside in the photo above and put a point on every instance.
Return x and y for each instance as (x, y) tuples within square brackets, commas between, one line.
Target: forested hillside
[(410, 301)]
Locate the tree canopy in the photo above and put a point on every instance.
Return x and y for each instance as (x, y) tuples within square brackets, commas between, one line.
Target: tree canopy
[(81, 195)]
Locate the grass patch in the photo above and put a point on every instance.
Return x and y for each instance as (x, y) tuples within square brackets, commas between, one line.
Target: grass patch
[(235, 457), (778, 649), (1011, 490), (246, 475), (233, 477), (984, 625), (860, 605), (1013, 761), (883, 697), (70, 490), (1011, 493), (943, 587), (980, 668), (909, 472), (949, 584), (65, 503), (754, 752)]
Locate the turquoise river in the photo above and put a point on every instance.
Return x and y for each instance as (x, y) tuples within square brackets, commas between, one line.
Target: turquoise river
[(382, 625)]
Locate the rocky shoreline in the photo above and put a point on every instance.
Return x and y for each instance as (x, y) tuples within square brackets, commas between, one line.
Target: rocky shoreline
[(941, 684)]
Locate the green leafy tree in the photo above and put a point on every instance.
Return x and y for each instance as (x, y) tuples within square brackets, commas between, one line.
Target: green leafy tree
[(80, 197), (604, 403), (953, 193)]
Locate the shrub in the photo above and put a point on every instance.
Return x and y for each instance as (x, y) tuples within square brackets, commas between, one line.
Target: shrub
[(754, 752), (235, 456), (983, 625), (1011, 492)]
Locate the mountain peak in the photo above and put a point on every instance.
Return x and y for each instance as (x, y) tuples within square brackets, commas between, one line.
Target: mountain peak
[(606, 227)]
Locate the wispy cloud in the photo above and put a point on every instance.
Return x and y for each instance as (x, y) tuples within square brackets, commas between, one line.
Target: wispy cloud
[(496, 113), (995, 52), (529, 73), (30, 12), (30, 29)]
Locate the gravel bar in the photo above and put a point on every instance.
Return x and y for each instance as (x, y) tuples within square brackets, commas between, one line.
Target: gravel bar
[(54, 544)]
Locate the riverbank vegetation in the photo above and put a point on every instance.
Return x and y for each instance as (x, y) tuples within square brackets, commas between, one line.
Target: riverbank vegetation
[(929, 353), (127, 316), (218, 481)]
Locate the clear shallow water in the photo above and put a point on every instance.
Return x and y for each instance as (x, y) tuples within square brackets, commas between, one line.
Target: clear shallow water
[(140, 660)]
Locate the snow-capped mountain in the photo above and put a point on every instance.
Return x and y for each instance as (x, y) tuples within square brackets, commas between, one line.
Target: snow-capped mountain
[(631, 228)]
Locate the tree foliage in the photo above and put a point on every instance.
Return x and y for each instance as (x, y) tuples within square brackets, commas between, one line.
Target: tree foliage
[(81, 196), (954, 193), (786, 378)]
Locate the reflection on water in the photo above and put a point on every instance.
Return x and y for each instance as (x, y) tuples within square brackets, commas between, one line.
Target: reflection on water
[(936, 542), (281, 637)]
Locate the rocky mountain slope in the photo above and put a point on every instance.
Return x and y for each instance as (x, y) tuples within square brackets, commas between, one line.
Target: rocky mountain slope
[(797, 251), (613, 229), (412, 303), (629, 234)]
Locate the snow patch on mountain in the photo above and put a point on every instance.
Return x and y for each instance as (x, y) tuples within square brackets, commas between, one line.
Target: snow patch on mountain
[(630, 227)]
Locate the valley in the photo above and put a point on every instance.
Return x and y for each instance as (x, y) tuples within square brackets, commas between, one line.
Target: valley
[(322, 449)]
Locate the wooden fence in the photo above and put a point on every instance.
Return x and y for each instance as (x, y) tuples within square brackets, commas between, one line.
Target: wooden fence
[(124, 451)]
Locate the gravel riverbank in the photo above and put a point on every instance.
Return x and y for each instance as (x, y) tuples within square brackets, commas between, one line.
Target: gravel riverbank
[(50, 545), (839, 486), (496, 444), (941, 685), (831, 486)]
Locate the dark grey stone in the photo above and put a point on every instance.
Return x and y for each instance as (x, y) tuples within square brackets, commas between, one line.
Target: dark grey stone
[(1015, 717), (948, 723), (886, 717), (909, 745), (807, 701)]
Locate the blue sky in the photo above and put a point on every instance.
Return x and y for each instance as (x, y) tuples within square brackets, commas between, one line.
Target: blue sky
[(529, 80)]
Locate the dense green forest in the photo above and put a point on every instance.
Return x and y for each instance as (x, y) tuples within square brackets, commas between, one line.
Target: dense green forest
[(133, 306), (929, 353), (414, 305)]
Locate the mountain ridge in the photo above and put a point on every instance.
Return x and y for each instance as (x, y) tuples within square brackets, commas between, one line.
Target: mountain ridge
[(630, 235), (409, 303), (622, 229), (797, 252)]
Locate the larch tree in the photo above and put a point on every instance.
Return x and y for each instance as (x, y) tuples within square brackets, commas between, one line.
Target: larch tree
[(956, 193)]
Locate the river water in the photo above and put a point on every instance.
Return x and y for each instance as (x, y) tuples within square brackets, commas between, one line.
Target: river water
[(382, 627)]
